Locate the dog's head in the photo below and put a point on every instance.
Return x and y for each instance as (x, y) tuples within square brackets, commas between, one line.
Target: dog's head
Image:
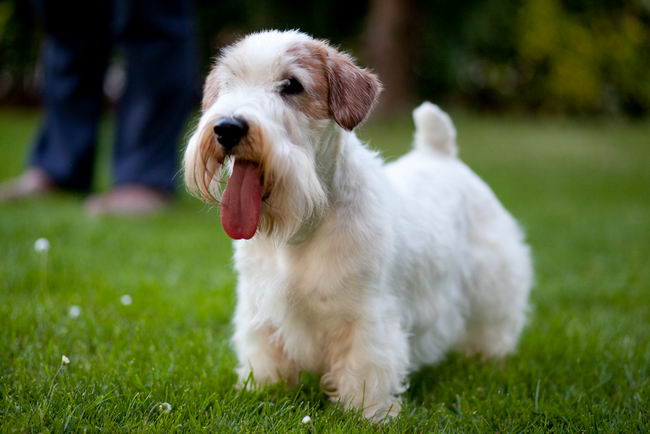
[(274, 106)]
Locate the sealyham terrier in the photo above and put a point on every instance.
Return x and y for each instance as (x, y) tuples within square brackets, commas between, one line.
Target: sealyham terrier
[(350, 267)]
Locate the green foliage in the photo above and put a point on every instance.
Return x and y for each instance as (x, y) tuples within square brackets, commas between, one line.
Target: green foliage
[(18, 50), (553, 55), (585, 61), (568, 56), (580, 189)]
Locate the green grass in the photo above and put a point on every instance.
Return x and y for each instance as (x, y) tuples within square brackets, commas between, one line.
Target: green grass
[(580, 188)]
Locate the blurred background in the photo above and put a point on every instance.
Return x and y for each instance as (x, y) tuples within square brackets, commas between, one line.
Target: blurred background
[(554, 56)]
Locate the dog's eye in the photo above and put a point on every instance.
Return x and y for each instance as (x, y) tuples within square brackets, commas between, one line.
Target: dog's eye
[(291, 86)]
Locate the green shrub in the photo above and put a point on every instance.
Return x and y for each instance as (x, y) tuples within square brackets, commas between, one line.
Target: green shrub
[(566, 56), (586, 61)]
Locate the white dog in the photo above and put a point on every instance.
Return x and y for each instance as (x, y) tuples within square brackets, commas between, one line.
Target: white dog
[(349, 267)]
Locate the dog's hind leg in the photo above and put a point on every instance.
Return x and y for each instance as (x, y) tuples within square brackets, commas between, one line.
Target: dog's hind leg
[(498, 289), (492, 338)]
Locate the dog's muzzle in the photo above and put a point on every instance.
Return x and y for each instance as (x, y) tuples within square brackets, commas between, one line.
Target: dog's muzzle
[(230, 130)]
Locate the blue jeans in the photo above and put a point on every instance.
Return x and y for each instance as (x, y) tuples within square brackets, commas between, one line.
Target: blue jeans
[(159, 47)]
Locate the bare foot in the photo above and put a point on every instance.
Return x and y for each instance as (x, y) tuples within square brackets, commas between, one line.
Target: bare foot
[(33, 183), (130, 200)]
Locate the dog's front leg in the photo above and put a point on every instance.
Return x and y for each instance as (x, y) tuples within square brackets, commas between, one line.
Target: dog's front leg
[(262, 360), (368, 367)]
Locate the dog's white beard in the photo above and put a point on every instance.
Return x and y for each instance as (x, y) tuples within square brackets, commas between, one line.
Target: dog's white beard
[(298, 197)]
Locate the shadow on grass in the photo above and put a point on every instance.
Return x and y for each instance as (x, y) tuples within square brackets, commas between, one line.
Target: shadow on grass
[(438, 384)]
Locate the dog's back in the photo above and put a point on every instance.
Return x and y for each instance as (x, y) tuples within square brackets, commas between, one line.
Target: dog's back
[(479, 254)]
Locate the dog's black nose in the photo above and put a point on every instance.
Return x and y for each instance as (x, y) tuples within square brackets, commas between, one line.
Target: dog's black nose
[(229, 131)]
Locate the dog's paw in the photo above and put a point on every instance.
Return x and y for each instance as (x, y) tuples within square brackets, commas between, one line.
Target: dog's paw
[(378, 412), (246, 381), (382, 412), (250, 380)]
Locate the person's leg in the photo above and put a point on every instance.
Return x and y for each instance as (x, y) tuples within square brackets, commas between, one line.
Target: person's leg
[(159, 44), (74, 58)]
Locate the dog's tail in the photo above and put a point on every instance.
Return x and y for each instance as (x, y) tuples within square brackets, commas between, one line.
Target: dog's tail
[(434, 130)]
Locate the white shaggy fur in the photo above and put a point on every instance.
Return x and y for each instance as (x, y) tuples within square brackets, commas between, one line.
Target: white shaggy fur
[(360, 270)]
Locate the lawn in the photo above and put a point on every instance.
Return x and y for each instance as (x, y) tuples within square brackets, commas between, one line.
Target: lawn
[(580, 188)]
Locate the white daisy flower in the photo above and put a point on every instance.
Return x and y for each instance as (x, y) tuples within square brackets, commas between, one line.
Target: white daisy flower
[(165, 407), (42, 245), (65, 360), (74, 311), (126, 300)]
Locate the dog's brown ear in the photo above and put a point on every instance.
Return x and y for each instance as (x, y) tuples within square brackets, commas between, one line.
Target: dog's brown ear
[(210, 89), (352, 91)]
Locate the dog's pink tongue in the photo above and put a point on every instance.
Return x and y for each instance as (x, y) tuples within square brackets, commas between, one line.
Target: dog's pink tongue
[(242, 201)]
